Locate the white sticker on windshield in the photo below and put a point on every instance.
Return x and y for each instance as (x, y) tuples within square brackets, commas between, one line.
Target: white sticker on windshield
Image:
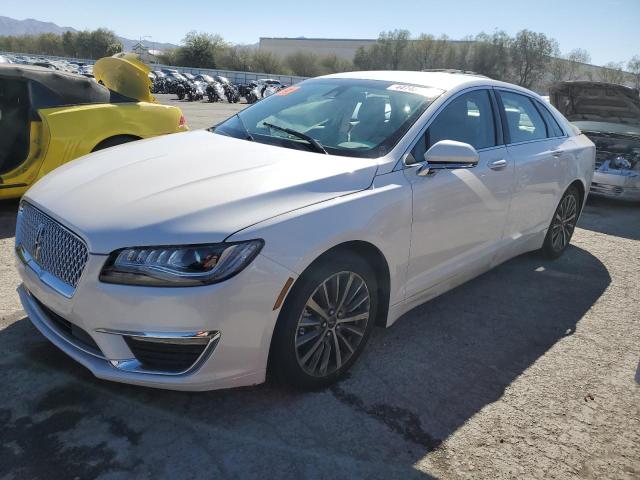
[(429, 92)]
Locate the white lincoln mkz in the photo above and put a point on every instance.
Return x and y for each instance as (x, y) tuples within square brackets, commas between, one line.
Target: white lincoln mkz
[(277, 240)]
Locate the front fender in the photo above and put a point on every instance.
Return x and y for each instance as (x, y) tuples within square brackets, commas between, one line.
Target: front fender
[(380, 215)]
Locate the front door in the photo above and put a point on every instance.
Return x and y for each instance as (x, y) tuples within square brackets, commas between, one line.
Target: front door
[(459, 215)]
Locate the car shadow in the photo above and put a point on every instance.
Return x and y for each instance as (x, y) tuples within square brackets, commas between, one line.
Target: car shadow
[(415, 385), (8, 212), (612, 217)]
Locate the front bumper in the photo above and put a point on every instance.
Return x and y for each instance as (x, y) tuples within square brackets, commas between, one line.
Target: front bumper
[(615, 191), (238, 315), (616, 185)]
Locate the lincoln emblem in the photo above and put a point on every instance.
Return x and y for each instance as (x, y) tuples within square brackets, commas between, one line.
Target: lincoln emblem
[(37, 246)]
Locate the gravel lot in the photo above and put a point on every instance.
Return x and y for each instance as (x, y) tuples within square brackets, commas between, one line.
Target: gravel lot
[(529, 371), (203, 114)]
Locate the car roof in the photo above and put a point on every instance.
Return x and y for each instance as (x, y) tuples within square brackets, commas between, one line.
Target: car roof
[(444, 80)]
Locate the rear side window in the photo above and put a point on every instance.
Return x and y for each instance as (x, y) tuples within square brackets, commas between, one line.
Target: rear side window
[(554, 129), (524, 122)]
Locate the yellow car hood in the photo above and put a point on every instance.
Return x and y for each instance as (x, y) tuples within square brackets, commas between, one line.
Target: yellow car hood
[(125, 74)]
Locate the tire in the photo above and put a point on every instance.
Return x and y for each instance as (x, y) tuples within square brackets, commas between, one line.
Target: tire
[(113, 141), (306, 341), (562, 224)]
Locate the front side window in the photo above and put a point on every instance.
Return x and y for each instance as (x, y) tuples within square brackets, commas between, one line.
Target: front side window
[(468, 118), (351, 117), (524, 122)]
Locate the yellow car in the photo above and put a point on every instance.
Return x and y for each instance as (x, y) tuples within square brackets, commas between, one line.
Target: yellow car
[(48, 118)]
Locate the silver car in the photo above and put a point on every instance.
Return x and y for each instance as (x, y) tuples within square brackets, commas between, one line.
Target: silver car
[(609, 115)]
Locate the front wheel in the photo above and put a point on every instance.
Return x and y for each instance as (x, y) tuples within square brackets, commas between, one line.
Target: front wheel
[(325, 322), (563, 224)]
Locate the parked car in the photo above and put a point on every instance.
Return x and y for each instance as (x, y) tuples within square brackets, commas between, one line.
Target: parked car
[(279, 238), (609, 115), (50, 118)]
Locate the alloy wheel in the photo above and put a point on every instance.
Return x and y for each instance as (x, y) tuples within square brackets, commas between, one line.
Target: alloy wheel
[(564, 222), (332, 324)]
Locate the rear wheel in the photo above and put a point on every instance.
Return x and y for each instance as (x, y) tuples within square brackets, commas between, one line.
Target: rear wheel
[(563, 224), (325, 323)]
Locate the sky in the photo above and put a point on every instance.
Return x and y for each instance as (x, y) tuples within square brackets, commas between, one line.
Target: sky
[(607, 29)]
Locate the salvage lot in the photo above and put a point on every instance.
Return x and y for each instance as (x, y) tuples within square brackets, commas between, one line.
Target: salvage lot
[(526, 371), (202, 114)]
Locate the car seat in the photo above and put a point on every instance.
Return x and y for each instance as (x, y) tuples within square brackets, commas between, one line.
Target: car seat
[(371, 127)]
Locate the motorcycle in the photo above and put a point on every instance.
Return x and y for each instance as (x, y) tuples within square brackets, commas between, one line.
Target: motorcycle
[(271, 89), (195, 91), (215, 92), (253, 92), (181, 90), (231, 92)]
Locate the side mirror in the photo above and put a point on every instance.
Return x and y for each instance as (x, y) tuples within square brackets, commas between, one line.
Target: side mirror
[(448, 154), (450, 151)]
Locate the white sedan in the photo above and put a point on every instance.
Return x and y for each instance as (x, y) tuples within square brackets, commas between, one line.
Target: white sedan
[(277, 240)]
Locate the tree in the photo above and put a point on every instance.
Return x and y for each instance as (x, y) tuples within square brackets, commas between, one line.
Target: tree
[(169, 57), (634, 67), (612, 73), (265, 61), (491, 55), (87, 44), (238, 57), (69, 44), (576, 58), (393, 45), (103, 43), (362, 59), (530, 55), (388, 53), (570, 66), (334, 64), (200, 50), (303, 64)]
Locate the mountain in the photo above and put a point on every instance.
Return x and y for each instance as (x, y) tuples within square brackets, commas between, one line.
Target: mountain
[(11, 26), (30, 26)]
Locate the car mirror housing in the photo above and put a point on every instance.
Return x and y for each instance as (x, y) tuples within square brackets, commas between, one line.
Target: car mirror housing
[(447, 155), (451, 152)]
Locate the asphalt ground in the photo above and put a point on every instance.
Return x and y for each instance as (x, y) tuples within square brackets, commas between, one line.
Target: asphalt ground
[(528, 371)]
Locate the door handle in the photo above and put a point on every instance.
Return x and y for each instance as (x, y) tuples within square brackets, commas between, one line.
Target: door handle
[(556, 153), (498, 164)]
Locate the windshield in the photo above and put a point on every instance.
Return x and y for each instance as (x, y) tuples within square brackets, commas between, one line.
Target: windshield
[(351, 117)]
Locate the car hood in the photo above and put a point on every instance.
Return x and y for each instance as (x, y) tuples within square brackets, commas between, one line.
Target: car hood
[(188, 188), (596, 102), (125, 74)]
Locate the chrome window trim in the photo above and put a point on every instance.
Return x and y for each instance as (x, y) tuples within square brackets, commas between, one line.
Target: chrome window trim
[(401, 162), (533, 100)]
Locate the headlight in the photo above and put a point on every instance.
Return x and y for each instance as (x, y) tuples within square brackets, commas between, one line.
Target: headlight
[(179, 266)]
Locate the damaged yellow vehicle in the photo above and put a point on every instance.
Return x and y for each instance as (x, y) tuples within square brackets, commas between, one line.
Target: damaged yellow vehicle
[(48, 118)]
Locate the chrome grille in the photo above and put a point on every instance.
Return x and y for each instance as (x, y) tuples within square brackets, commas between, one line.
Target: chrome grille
[(54, 248)]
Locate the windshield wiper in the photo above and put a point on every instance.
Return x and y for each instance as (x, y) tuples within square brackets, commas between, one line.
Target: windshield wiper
[(312, 141), (249, 136)]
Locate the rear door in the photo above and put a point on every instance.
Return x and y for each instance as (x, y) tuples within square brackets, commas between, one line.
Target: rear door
[(536, 144), (459, 214)]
